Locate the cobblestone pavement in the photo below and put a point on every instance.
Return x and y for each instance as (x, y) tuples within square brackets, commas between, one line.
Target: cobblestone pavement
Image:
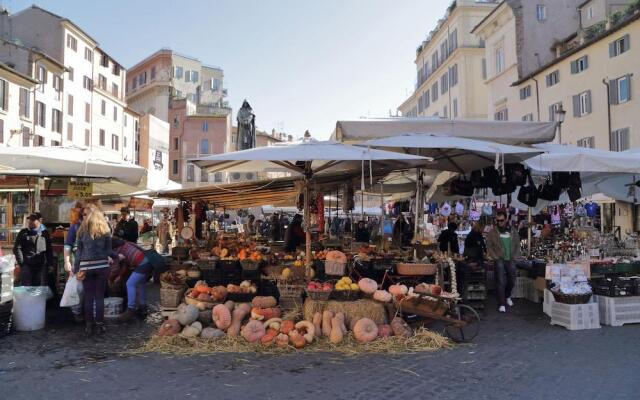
[(516, 356)]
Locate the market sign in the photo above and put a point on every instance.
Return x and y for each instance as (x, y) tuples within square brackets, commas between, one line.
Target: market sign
[(79, 190), (139, 204)]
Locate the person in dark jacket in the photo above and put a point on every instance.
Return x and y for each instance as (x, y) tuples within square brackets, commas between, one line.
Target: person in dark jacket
[(275, 228), (474, 244), (91, 266), (399, 229), (33, 252), (127, 227), (294, 235), (362, 233), (449, 239)]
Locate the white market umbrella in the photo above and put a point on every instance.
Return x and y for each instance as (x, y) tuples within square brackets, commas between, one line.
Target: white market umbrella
[(71, 162), (568, 158), (308, 157), (455, 153)]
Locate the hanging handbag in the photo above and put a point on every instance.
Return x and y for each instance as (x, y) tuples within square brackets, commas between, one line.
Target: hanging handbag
[(487, 209), (516, 174), (445, 210), (474, 214), (561, 179), (528, 194), (490, 177), (459, 209), (581, 211), (461, 187), (549, 191), (555, 217), (504, 186), (574, 193)]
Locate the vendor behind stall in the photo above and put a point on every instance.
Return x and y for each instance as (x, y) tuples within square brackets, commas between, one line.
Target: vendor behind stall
[(448, 239), (362, 233), (294, 235), (127, 227), (33, 252)]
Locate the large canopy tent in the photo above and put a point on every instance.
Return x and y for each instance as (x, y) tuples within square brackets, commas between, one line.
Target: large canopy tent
[(573, 158), (514, 133), (308, 158)]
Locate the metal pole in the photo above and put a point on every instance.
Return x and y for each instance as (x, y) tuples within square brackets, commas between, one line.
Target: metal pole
[(307, 217), (529, 218)]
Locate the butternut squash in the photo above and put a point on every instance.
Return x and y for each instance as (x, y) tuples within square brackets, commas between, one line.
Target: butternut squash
[(336, 335), (317, 324), (326, 323), (236, 321)]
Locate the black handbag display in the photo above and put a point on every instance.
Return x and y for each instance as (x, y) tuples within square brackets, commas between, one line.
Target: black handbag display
[(516, 173), (561, 179), (485, 178), (574, 193), (528, 194), (549, 191), (461, 187), (504, 186)]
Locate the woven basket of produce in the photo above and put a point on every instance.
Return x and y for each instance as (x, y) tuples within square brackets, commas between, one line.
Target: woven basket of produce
[(408, 269), (172, 280), (171, 298), (571, 298), (289, 289)]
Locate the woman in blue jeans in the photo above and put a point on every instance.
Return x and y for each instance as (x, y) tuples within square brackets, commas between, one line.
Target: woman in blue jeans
[(137, 283)]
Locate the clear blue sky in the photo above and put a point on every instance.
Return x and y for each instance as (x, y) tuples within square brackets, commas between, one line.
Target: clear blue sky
[(302, 64)]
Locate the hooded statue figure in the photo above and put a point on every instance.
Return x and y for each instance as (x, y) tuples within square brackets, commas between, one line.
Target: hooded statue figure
[(246, 127)]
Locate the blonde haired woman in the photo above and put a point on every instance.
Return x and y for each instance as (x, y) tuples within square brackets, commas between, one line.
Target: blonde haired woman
[(92, 266)]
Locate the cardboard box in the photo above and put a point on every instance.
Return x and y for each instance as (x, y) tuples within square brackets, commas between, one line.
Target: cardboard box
[(540, 284)]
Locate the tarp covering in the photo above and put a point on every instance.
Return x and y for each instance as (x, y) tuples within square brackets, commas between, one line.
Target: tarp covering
[(514, 133)]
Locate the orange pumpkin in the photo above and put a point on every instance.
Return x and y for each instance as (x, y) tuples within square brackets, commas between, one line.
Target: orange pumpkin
[(287, 326), (242, 254)]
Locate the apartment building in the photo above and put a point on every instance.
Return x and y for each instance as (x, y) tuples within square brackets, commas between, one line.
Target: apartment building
[(193, 134), (167, 75), (82, 105), (41, 109), (519, 38), (450, 69), (16, 105)]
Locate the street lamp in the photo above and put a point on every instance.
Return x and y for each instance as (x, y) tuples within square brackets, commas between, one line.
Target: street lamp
[(560, 113)]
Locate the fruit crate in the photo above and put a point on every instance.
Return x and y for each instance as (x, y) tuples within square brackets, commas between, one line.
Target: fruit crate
[(617, 311), (576, 316)]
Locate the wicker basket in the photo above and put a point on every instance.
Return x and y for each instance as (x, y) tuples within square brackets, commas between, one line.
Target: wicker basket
[(171, 298), (345, 295), (319, 295), (416, 269), (334, 268), (571, 298), (250, 265), (193, 302), (288, 289)]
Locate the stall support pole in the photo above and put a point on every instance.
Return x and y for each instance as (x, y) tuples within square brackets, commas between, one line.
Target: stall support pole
[(381, 217), (419, 202), (529, 219), (307, 219)]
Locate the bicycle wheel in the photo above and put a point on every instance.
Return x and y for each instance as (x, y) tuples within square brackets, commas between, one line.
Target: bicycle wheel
[(465, 332)]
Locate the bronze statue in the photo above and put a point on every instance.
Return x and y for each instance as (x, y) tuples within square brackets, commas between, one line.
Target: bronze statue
[(246, 127)]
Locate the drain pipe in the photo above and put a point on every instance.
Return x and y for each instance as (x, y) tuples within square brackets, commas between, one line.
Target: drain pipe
[(606, 83), (537, 97)]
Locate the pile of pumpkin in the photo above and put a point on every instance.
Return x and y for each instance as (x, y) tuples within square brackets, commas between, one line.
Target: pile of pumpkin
[(236, 250), (224, 319)]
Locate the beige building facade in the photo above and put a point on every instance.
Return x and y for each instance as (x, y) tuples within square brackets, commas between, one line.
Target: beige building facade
[(450, 67), (167, 75)]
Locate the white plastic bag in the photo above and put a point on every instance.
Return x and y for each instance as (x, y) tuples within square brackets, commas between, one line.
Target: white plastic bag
[(71, 296)]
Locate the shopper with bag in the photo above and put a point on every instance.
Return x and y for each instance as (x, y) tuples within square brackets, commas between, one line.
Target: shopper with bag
[(92, 267), (75, 220), (503, 246), (33, 252), (474, 245)]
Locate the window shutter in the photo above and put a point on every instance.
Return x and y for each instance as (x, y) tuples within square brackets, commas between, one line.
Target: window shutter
[(22, 102), (576, 105), (612, 49), (612, 141), (548, 78), (628, 76), (574, 67), (627, 43), (586, 62), (552, 116), (624, 139), (613, 91), (588, 101)]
